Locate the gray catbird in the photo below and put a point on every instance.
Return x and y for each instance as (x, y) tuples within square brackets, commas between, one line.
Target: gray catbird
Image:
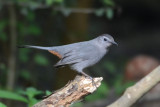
[(82, 54)]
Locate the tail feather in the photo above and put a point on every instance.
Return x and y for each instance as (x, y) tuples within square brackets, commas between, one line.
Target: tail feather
[(36, 47)]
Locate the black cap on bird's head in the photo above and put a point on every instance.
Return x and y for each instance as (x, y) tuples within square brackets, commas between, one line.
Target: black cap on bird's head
[(106, 40)]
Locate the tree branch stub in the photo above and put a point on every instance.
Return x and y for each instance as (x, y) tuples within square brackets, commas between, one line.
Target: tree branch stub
[(73, 91)]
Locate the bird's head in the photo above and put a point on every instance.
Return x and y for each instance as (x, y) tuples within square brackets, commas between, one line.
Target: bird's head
[(106, 40)]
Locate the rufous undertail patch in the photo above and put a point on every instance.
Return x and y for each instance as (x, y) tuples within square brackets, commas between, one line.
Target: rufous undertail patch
[(56, 54)]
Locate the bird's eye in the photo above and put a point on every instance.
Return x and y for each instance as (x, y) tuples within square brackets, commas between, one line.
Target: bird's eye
[(105, 39)]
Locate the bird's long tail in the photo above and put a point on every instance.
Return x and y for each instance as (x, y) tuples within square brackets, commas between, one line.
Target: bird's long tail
[(36, 47)]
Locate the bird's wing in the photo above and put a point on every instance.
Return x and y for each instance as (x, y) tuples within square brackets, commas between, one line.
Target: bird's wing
[(76, 55)]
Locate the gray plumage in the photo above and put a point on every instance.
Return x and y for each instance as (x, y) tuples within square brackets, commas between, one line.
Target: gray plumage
[(82, 54)]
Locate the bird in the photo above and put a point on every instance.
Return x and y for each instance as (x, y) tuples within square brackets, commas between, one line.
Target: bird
[(81, 55)]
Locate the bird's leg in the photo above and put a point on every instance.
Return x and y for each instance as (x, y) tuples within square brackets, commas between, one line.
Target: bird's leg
[(86, 75)]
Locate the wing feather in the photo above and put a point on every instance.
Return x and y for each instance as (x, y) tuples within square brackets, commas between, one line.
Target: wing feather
[(77, 55)]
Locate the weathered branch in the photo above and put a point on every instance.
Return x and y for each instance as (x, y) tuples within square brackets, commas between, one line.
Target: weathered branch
[(132, 94), (72, 92)]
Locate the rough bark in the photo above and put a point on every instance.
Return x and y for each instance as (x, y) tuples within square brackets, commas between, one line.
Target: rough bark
[(74, 91)]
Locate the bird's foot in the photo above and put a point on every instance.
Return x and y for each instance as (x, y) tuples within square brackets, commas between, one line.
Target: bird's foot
[(93, 82), (86, 75)]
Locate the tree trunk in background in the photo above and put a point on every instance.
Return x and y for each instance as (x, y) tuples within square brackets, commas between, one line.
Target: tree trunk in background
[(76, 30), (13, 39), (77, 23)]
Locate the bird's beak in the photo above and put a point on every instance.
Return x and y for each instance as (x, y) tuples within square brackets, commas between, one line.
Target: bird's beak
[(114, 43)]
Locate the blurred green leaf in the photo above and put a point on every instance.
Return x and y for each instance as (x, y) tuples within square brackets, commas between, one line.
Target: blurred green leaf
[(22, 28), (30, 29), (25, 74), (22, 1), (23, 55), (2, 105), (34, 30), (100, 93), (77, 104), (31, 15), (32, 101), (40, 59), (109, 66), (109, 13), (128, 84), (59, 1), (99, 12), (48, 92), (49, 2), (3, 36), (2, 66), (109, 2), (31, 92), (3, 24), (12, 95), (120, 86)]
